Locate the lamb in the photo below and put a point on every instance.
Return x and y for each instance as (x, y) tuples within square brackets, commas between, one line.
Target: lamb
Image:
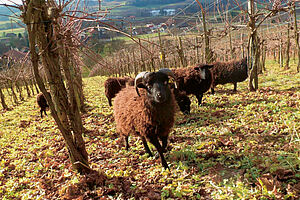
[(148, 113), (42, 103), (113, 85), (194, 80), (229, 72)]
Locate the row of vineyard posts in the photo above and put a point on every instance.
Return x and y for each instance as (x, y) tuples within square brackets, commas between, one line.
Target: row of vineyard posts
[(209, 44), (16, 83), (280, 45)]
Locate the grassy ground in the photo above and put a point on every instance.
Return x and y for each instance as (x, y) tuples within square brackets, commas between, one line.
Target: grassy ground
[(242, 145)]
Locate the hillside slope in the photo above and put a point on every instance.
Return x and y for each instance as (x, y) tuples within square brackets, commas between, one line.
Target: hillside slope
[(242, 145)]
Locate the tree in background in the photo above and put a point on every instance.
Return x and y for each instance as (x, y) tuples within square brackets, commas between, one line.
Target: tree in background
[(296, 34), (256, 18), (208, 52)]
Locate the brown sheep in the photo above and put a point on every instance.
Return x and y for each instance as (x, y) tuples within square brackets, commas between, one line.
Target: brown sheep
[(113, 85), (194, 80), (148, 113), (42, 103), (229, 72)]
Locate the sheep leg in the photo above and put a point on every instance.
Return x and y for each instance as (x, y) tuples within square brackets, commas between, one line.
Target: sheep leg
[(212, 90), (125, 138), (159, 148), (146, 146), (234, 87), (41, 113), (109, 102), (199, 97), (164, 141), (45, 112)]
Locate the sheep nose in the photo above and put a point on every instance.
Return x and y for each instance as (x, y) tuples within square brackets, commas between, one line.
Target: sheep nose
[(159, 95)]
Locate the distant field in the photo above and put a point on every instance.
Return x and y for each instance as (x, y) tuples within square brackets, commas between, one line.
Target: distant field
[(124, 9), (16, 31), (4, 22), (145, 36)]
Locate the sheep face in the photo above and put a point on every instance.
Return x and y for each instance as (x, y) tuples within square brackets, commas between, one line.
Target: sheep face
[(202, 70), (156, 85)]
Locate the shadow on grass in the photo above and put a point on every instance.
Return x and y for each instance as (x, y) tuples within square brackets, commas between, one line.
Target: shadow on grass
[(203, 118), (97, 185)]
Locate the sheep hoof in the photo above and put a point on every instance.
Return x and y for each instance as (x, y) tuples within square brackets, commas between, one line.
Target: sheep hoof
[(150, 154), (186, 112), (168, 148), (166, 166)]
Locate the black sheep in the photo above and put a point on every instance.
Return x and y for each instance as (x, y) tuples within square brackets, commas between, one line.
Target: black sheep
[(113, 85), (42, 103), (194, 80), (229, 72)]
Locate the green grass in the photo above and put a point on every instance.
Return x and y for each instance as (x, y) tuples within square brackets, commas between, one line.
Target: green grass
[(242, 145)]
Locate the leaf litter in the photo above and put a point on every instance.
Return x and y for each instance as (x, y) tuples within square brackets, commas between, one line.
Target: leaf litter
[(238, 145)]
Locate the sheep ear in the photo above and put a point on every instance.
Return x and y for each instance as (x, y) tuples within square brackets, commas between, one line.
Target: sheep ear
[(169, 73)]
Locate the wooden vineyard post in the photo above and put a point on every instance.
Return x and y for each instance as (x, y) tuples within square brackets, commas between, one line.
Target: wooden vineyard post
[(252, 48), (162, 52), (181, 53), (3, 103), (288, 45)]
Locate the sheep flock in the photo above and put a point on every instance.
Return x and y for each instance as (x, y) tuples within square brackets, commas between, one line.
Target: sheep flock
[(147, 107)]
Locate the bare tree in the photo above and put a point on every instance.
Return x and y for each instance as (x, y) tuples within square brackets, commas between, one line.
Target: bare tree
[(256, 18), (296, 34), (208, 52), (53, 40)]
